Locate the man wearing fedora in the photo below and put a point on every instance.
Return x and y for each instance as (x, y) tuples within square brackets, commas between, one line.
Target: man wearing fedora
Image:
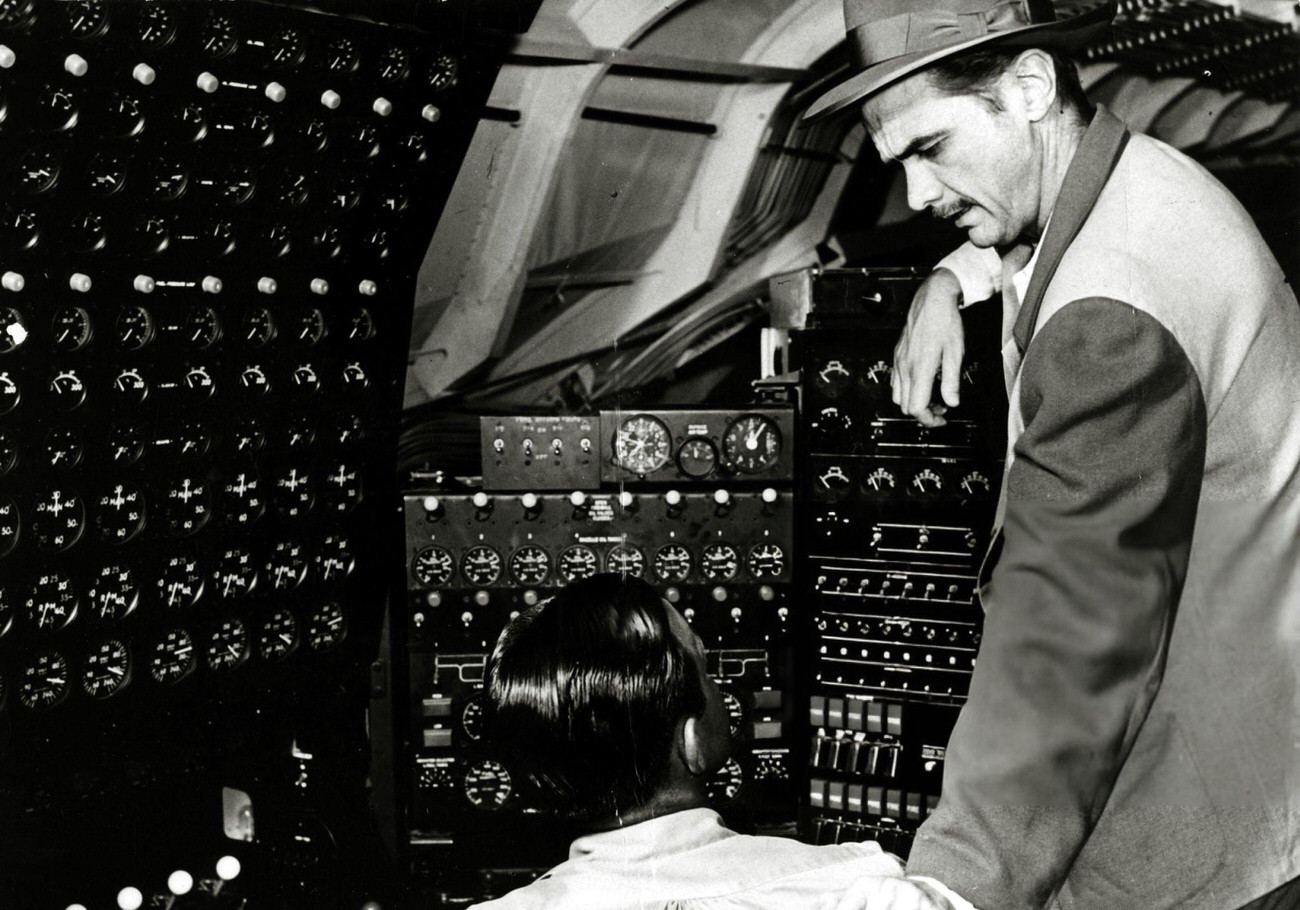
[(1131, 739)]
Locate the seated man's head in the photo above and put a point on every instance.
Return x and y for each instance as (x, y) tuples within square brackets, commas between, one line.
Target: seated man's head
[(600, 696)]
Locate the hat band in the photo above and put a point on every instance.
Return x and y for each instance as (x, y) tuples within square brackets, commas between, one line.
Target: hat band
[(910, 33)]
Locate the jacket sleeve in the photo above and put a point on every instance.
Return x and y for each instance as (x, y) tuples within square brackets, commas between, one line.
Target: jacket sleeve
[(1101, 502)]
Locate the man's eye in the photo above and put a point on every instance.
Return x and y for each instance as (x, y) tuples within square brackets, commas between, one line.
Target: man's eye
[(931, 151)]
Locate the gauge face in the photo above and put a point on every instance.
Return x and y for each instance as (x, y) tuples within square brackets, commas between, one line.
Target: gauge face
[(192, 437), (9, 394), (294, 493), (249, 436), (719, 562), (202, 327), (115, 593), (394, 64), (880, 483), (342, 56), (672, 563), (697, 457), (443, 73), (52, 602), (354, 377), (242, 502), (38, 170), (60, 517), (199, 386), (44, 681), (766, 560), (228, 645), (6, 612), (300, 432), (735, 711), (487, 784), (219, 37), (236, 573), (726, 783), (119, 513), (343, 487), (287, 566), (107, 669), (8, 454), (13, 330), (752, 444), (135, 328), (180, 583), (258, 327), (471, 718), (71, 328), (86, 18), (433, 567), (130, 387), (361, 325), (975, 485), (349, 428), (107, 174), (63, 448), (287, 48), (326, 627), (925, 484), (157, 26), (279, 636), (170, 178), (293, 190), (309, 326), (345, 193), (173, 657), (10, 525), (237, 184), (578, 562), (334, 558), (641, 444), (530, 565), (831, 484), (188, 508), (67, 390), (625, 559), (125, 444), (15, 13), (481, 565)]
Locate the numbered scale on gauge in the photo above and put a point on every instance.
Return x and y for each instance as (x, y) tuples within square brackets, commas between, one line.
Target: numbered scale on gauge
[(114, 594), (59, 519), (433, 567), (71, 328), (228, 645), (287, 566), (530, 565), (735, 710), (107, 669), (173, 657), (187, 506), (180, 582), (52, 602), (719, 562), (642, 444), (258, 327), (481, 565), (119, 513), (471, 717), (343, 487), (294, 493), (487, 784), (335, 559), (672, 563), (766, 560), (326, 627), (130, 387), (578, 562), (625, 559), (236, 573), (63, 448), (242, 502), (10, 525), (134, 328), (44, 680), (752, 444), (279, 636), (726, 783)]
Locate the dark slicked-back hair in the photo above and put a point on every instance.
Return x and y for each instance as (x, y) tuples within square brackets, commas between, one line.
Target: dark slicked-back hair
[(976, 72), (585, 692)]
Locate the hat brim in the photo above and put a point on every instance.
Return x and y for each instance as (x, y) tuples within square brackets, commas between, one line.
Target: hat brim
[(1064, 34)]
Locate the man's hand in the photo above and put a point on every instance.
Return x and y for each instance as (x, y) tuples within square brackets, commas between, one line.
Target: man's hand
[(932, 343), (873, 893)]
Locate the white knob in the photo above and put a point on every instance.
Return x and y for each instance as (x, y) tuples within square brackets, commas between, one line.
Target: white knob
[(431, 113), (722, 497), (76, 907), (432, 504), (625, 499), (228, 868), (75, 64), (530, 598), (266, 285), (211, 284), (320, 286), (382, 106), (7, 57), (736, 613), (331, 99), (207, 82), (528, 501), (130, 899), (481, 500), (673, 498), (368, 288), (180, 882), (143, 283), (276, 92), (577, 497), (719, 594), (79, 282), (12, 281), (144, 74), (767, 592), (672, 595), (770, 494)]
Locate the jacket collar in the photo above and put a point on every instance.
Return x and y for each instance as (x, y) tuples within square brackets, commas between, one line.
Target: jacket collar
[(1094, 161)]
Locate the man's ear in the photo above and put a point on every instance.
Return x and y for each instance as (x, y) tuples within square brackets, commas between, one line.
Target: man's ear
[(1036, 77), (692, 746)]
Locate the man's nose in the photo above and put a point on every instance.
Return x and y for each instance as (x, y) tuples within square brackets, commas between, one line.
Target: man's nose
[(923, 190)]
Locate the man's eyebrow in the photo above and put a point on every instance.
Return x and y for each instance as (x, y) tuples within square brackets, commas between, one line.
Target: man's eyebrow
[(915, 146)]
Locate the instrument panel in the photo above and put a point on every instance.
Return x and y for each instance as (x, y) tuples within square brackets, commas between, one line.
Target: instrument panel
[(681, 446)]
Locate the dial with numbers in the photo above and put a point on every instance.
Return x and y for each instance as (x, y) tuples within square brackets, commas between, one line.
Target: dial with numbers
[(294, 493), (134, 327), (287, 565), (156, 27), (334, 558), (219, 36), (10, 525), (433, 567), (642, 444), (625, 559), (130, 387), (114, 593), (443, 72), (236, 573), (52, 601), (752, 443), (180, 581), (394, 64), (343, 487), (287, 49), (766, 560), (578, 562), (63, 448), (719, 562), (258, 327), (279, 636), (120, 513), (481, 565), (530, 565), (242, 502), (726, 782), (173, 657), (44, 680), (672, 563), (187, 505), (326, 627), (487, 784), (107, 669), (38, 170), (86, 18), (202, 327), (67, 389), (58, 520), (308, 326), (361, 324), (71, 328), (227, 645)]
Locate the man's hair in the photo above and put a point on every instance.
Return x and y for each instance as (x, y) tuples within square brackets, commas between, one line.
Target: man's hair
[(585, 692), (976, 72)]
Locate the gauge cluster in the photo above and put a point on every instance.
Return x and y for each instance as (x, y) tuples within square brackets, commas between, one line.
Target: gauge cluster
[(684, 446)]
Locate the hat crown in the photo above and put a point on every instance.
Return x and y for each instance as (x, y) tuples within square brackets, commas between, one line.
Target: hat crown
[(880, 30)]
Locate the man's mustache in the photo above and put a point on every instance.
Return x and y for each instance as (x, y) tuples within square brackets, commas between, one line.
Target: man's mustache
[(948, 212)]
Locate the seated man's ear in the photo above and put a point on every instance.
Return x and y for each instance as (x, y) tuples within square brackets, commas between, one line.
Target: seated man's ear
[(693, 747)]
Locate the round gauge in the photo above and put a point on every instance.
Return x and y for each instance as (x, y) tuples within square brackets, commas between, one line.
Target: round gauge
[(831, 484), (157, 26), (237, 184), (219, 36), (107, 669), (19, 230), (354, 377), (86, 18), (879, 484), (71, 328), (343, 487), (304, 380), (198, 385), (313, 136), (56, 108), (63, 448), (119, 513), (228, 645), (377, 242), (67, 390), (135, 328), (719, 562), (433, 567), (279, 636), (345, 193), (641, 444), (202, 327), (114, 594), (361, 325), (672, 562), (975, 485), (334, 558), (107, 174), (394, 199), (697, 457), (481, 565), (10, 525), (8, 451), (442, 75), (180, 583), (170, 178), (293, 190), (925, 484), (17, 13), (249, 436), (122, 116), (877, 379), (287, 565), (241, 499), (38, 170), (625, 559), (294, 493), (6, 612), (60, 517), (52, 602), (287, 48), (153, 235), (752, 444), (342, 56), (487, 784), (349, 428), (13, 330), (394, 64), (326, 627), (44, 680), (258, 327), (236, 573), (300, 432), (9, 394), (363, 142), (193, 438), (275, 240), (832, 378), (86, 233), (217, 238), (529, 565), (173, 657), (188, 509), (190, 125), (309, 326), (735, 710), (766, 560), (125, 443), (130, 387), (578, 562), (726, 782), (471, 717)]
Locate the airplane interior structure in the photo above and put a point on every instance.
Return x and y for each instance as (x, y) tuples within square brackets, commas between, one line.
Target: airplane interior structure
[(334, 333)]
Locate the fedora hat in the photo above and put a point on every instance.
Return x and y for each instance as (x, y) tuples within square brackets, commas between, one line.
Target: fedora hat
[(890, 40)]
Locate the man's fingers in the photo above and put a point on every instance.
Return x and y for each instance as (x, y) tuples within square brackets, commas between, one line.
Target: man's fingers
[(950, 385)]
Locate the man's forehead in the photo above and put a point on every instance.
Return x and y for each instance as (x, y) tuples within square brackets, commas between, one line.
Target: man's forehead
[(902, 112)]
